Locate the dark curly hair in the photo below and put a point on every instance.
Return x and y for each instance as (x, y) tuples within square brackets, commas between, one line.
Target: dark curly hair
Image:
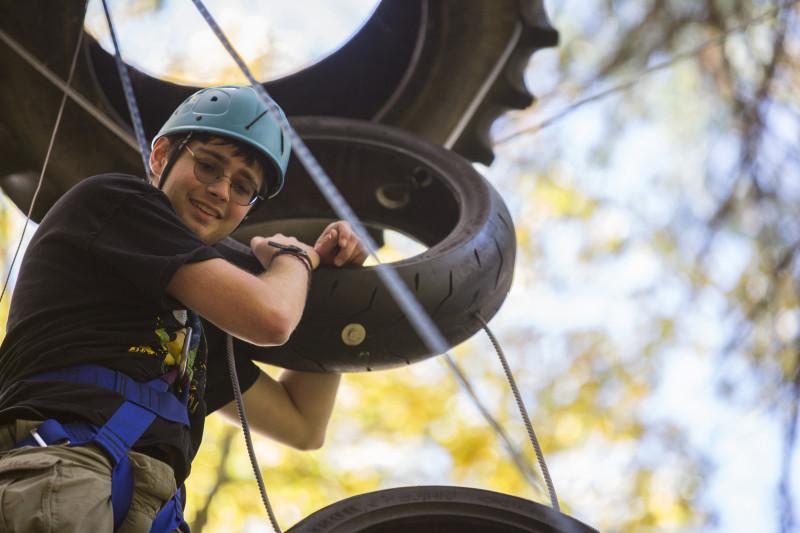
[(249, 154)]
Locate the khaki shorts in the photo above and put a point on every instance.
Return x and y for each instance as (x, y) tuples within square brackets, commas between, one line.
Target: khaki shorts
[(68, 489)]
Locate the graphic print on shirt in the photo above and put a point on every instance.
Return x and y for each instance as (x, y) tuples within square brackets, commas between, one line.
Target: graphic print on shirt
[(169, 345)]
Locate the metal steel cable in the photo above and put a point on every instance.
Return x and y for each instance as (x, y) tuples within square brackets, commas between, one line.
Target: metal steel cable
[(46, 161), (411, 308), (405, 300), (76, 97), (524, 467), (332, 194), (524, 412), (130, 98), (422, 323), (237, 393)]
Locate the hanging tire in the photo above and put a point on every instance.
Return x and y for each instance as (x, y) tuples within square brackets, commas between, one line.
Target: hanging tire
[(441, 69), (466, 270), (392, 180), (436, 509)]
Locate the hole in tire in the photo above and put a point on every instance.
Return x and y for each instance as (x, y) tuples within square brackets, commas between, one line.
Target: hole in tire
[(171, 41), (431, 202), (397, 247)]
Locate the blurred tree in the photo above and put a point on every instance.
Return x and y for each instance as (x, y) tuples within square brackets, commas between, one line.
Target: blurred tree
[(712, 211), (11, 221)]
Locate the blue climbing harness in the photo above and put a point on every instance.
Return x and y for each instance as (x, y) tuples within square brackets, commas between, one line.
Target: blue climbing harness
[(143, 403)]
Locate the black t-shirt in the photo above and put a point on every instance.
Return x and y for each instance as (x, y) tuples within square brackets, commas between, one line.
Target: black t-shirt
[(91, 290)]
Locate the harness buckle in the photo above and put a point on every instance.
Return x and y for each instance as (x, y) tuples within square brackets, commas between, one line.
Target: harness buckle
[(38, 438), (53, 432)]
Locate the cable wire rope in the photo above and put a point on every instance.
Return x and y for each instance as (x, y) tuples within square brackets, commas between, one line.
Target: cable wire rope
[(524, 413), (405, 300), (130, 98), (519, 460), (46, 161), (237, 393), (412, 309), (76, 97)]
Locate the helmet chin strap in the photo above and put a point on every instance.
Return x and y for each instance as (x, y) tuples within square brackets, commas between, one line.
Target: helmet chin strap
[(162, 179)]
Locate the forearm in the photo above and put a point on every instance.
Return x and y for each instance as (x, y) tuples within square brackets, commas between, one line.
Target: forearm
[(239, 303), (293, 410), (288, 281), (313, 395)]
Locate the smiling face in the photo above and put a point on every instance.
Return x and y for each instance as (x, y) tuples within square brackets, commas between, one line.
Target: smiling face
[(207, 209)]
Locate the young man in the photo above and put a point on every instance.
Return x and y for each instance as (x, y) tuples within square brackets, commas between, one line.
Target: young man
[(106, 374)]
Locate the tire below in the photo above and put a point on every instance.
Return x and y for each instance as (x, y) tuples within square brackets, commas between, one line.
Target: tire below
[(437, 509)]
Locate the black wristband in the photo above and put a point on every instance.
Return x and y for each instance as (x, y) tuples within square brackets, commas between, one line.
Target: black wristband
[(296, 251), (303, 258)]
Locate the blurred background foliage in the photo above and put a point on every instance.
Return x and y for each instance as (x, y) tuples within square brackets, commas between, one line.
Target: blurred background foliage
[(655, 193), (653, 324)]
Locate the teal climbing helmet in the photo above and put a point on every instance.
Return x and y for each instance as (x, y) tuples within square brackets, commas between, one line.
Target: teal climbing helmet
[(237, 113)]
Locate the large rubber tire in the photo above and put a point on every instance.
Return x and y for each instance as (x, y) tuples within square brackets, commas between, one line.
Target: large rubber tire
[(436, 509), (441, 69), (468, 268), (433, 195)]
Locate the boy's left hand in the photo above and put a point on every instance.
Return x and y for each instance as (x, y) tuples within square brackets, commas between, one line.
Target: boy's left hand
[(339, 246)]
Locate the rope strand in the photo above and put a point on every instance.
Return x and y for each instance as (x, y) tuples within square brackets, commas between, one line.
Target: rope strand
[(520, 461), (430, 334), (405, 300), (524, 412), (46, 162), (76, 97), (237, 393), (130, 98)]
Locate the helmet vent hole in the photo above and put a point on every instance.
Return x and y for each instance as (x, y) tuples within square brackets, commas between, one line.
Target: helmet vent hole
[(199, 117), (213, 98)]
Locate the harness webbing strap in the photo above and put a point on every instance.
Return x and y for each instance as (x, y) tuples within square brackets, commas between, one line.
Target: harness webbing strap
[(152, 395), (144, 401), (170, 517), (116, 437)]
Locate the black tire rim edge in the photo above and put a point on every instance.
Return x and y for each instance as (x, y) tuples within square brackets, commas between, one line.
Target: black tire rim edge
[(352, 514)]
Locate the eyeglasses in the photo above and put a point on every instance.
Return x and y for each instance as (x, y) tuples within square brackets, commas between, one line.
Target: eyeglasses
[(243, 191)]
